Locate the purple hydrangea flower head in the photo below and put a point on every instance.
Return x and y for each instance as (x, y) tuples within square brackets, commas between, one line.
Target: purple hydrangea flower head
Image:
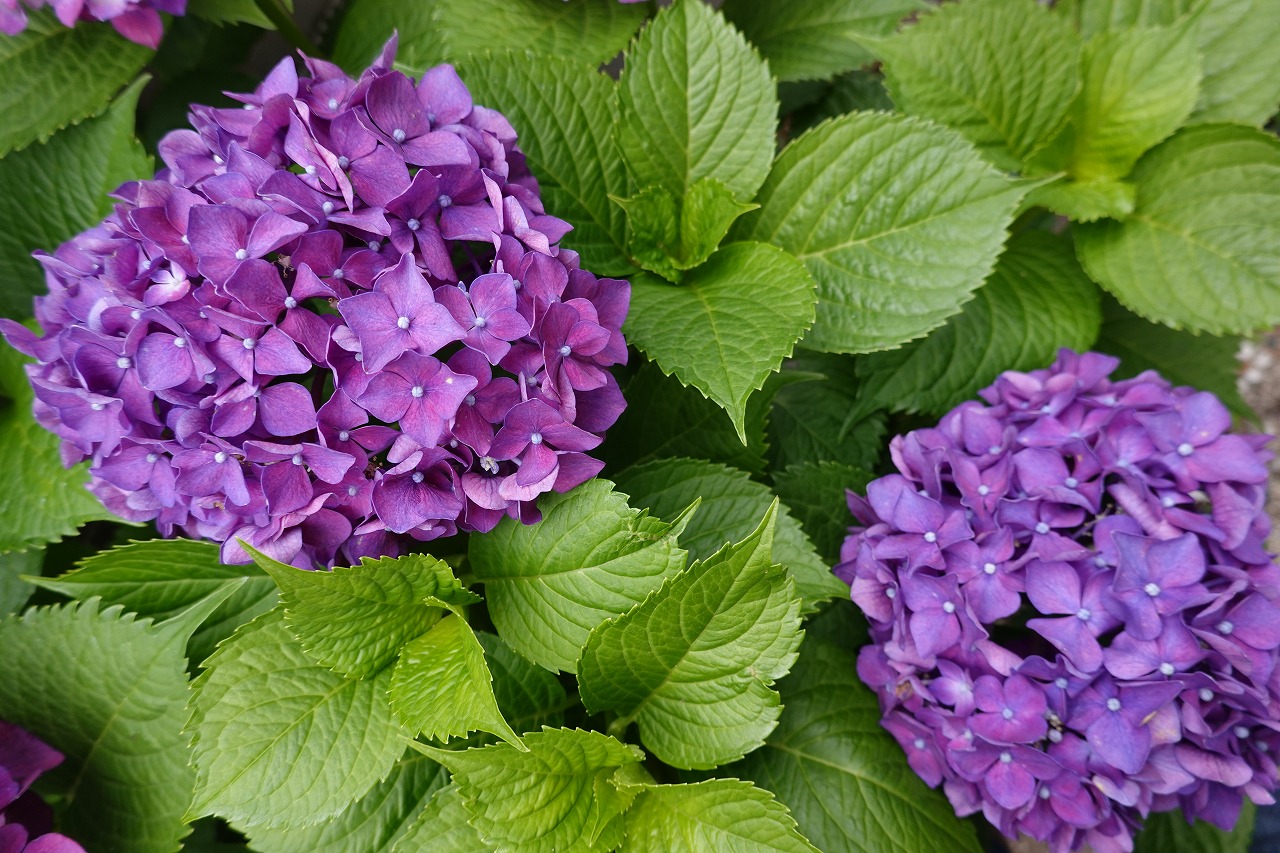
[(1074, 619), (26, 822), (137, 20), (335, 324)]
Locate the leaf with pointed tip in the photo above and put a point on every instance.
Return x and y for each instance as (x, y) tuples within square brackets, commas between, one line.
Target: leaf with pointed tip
[(234, 11), (355, 620), (710, 816), (1237, 39), (731, 506), (591, 557), (668, 236), (14, 590), (728, 325), (558, 796), (377, 821), (694, 663), (367, 24), (1085, 201), (282, 741), (810, 39), (815, 494), (443, 827), (696, 102), (1002, 72), (1201, 249), (1168, 831), (529, 696), (844, 778), (895, 248)]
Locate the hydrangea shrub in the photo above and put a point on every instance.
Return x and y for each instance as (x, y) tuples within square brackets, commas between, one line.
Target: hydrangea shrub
[(441, 438)]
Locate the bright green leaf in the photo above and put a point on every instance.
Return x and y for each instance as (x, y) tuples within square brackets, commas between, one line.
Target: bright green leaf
[(442, 828), (808, 39), (711, 816), (1202, 247), (441, 686), (1238, 39), (811, 421), (591, 557), (814, 492), (697, 102), (693, 664), (1002, 72), (14, 591), (728, 326), (279, 739), (354, 620), (564, 112), (367, 24), (529, 696), (1037, 301), (234, 11), (845, 779), (731, 506), (668, 236), (558, 796), (895, 248), (1100, 16), (590, 31), (1085, 201), (1165, 832), (51, 192), (55, 76), (375, 822), (1139, 87)]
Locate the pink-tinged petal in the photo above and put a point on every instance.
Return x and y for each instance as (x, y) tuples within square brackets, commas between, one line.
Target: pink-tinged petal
[(433, 327), (142, 26), (308, 329), (287, 409), (387, 397), (444, 95), (54, 842), (469, 222), (379, 177), (1226, 769), (513, 490), (235, 418), (236, 355), (330, 466), (394, 107), (574, 470)]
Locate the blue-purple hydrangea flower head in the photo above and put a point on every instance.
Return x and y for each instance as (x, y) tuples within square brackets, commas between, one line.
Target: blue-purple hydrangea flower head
[(26, 822), (337, 322), (1073, 615)]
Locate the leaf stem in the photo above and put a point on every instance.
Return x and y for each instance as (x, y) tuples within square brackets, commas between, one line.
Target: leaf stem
[(287, 27)]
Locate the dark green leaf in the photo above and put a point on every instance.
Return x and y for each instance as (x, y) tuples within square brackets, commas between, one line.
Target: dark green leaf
[(811, 421), (14, 591), (815, 494), (529, 696), (1169, 831)]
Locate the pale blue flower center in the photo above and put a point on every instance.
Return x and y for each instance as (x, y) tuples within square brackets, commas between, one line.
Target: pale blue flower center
[(398, 135), (124, 363), (402, 322), (219, 457), (241, 254), (1152, 589), (1166, 668), (417, 391), (290, 302), (418, 476), (1185, 449), (1113, 704), (297, 459), (989, 568), (948, 607), (536, 438), (1084, 614)]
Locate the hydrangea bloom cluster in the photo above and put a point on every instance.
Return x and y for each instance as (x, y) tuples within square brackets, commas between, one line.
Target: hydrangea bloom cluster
[(337, 322), (25, 821), (136, 20), (1073, 617)]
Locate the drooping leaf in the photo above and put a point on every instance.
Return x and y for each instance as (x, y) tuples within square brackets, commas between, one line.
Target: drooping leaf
[(564, 112), (530, 697), (711, 816), (43, 502), (441, 686), (728, 325), (234, 11), (14, 591), (1202, 246), (895, 248), (823, 419), (809, 39), (55, 76), (694, 663), (1204, 362), (376, 822), (443, 828), (668, 236), (1002, 72), (1037, 301), (558, 796), (109, 692), (1168, 831), (731, 507), (282, 741), (355, 620), (845, 780), (1237, 39), (162, 577), (1086, 201), (697, 102), (814, 492), (591, 557)]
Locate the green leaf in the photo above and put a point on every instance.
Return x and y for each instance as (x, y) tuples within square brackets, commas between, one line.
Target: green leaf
[(731, 505), (1168, 831), (809, 39), (441, 686), (564, 112), (282, 741), (160, 578), (729, 325), (815, 494), (693, 664), (1086, 201), (14, 590), (1037, 301), (442, 828), (1002, 72), (51, 192), (1202, 247), (697, 102), (808, 421), (234, 11), (367, 24), (895, 247), (856, 90), (844, 778), (1100, 16), (710, 816), (591, 557), (44, 501), (108, 691), (1237, 39), (530, 696), (375, 822), (1139, 87), (668, 236), (1204, 362), (55, 76), (559, 796), (591, 32), (355, 620)]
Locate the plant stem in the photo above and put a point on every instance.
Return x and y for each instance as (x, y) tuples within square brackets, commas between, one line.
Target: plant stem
[(287, 27)]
